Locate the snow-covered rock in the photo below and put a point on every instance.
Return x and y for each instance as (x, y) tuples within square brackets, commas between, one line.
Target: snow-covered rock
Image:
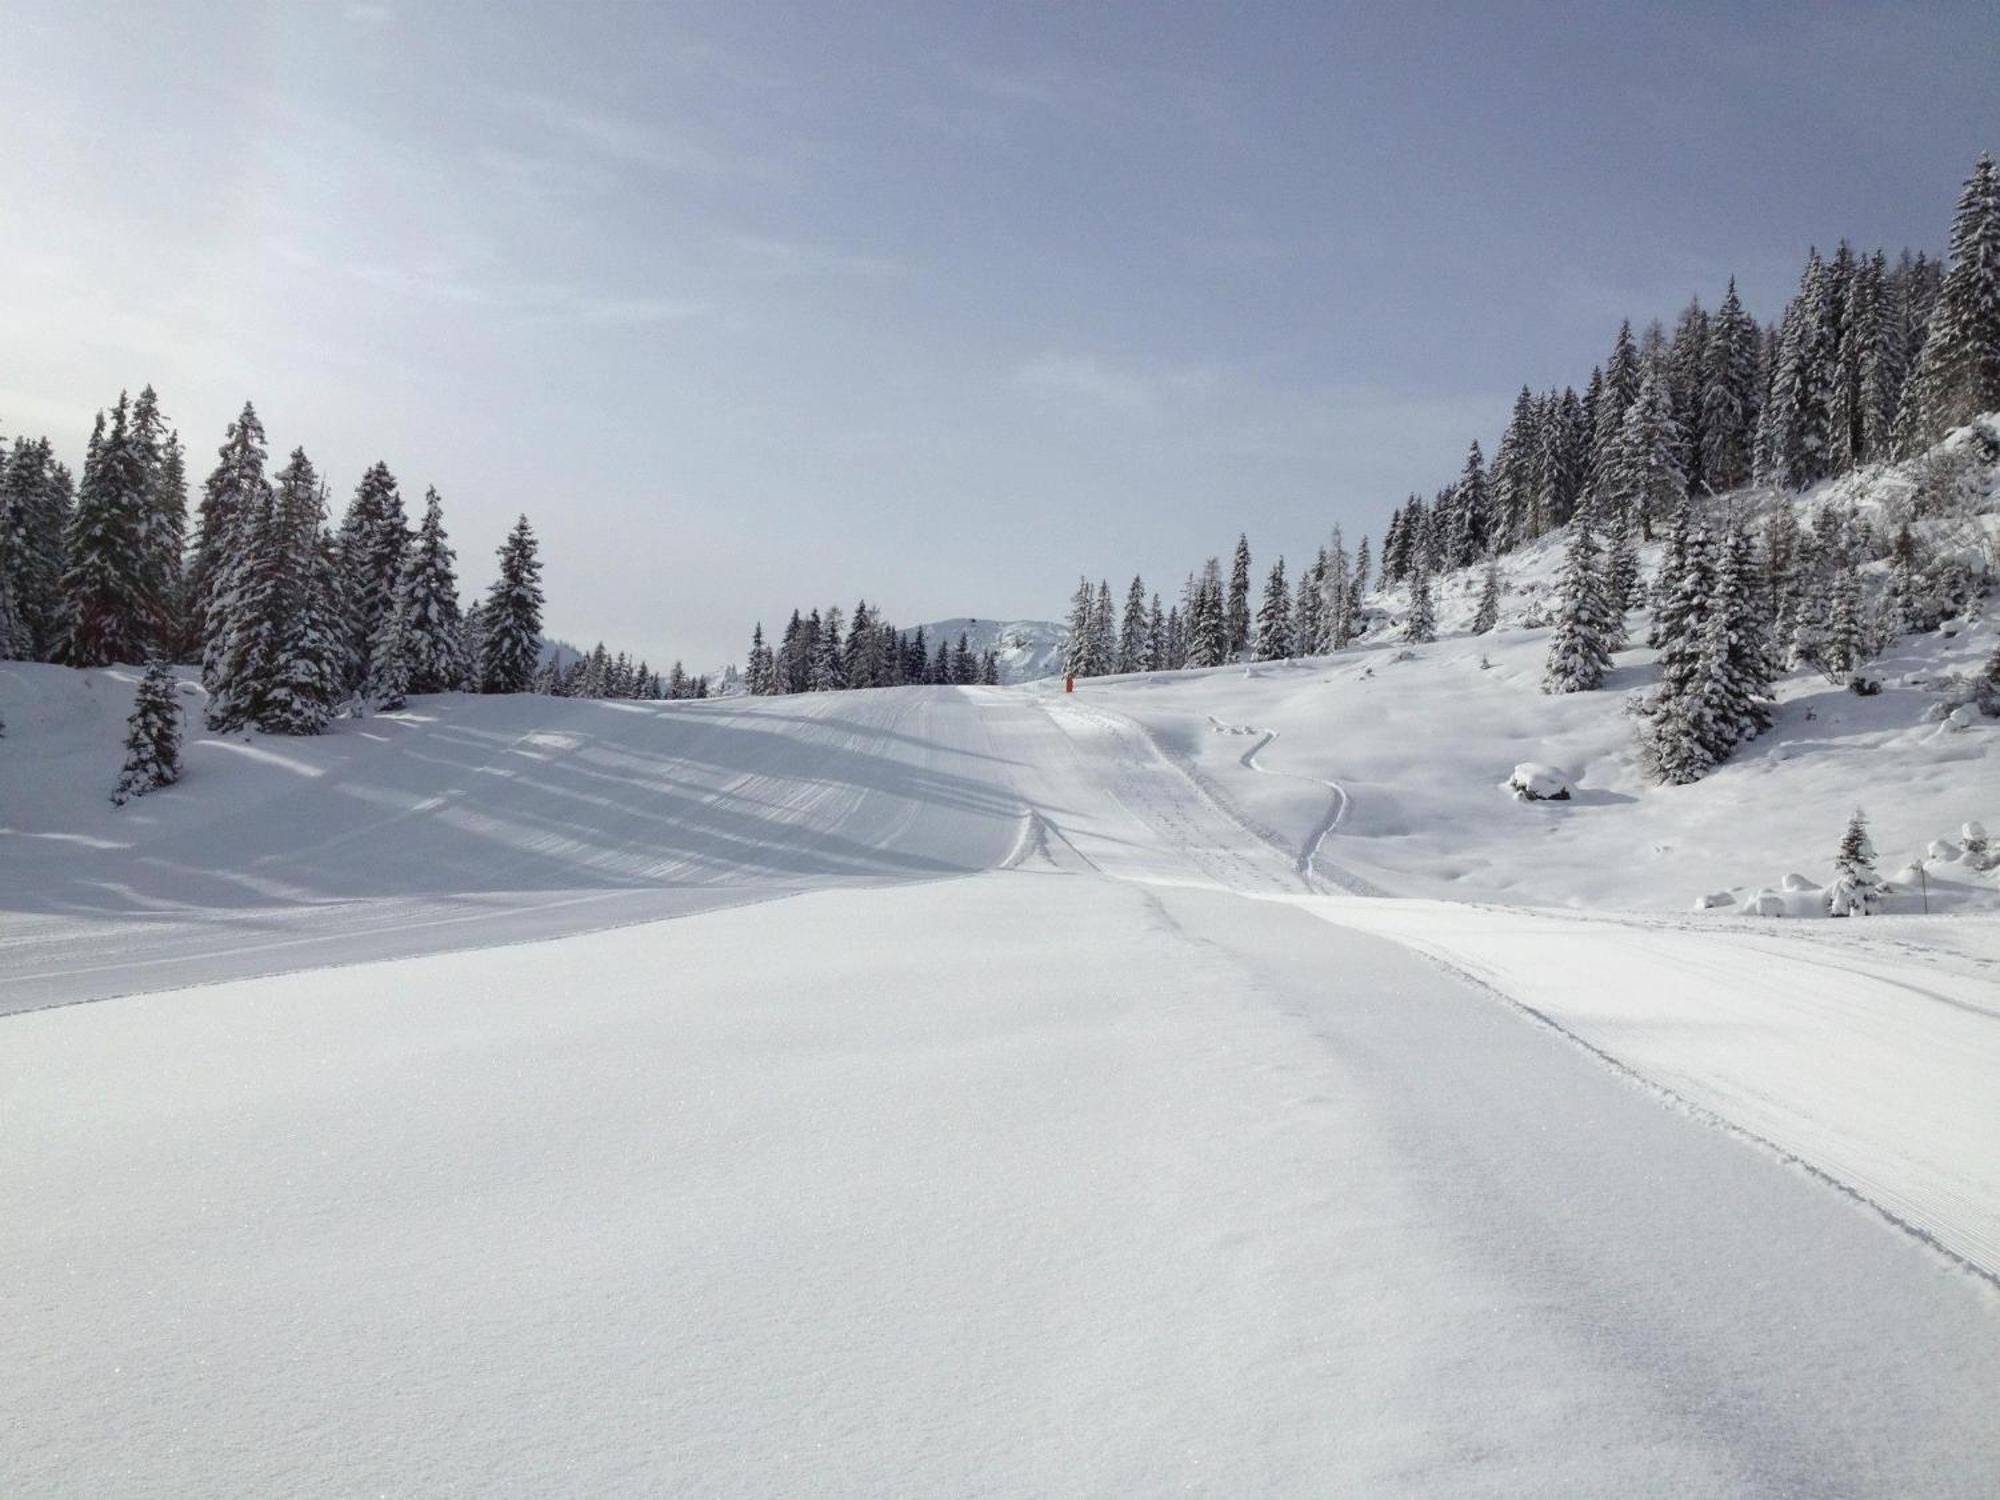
[(1534, 782)]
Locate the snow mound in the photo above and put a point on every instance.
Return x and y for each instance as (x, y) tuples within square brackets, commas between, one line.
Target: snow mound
[(1534, 782)]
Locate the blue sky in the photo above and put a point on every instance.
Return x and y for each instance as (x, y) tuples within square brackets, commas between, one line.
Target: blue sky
[(750, 305)]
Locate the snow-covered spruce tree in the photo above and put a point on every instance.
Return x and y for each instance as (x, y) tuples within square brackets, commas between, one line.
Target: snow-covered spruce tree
[(1274, 617), (1103, 632), (1133, 630), (1238, 616), (1957, 371), (1580, 648), (163, 469), (1159, 639), (1617, 389), (1794, 439), (108, 614), (236, 490), (1208, 623), (1487, 616), (35, 502), (1683, 369), (1337, 596), (1076, 648), (1471, 513), (152, 736), (1621, 571), (1361, 568), (1857, 888), (1729, 399), (1715, 665), (13, 635), (1668, 596), (513, 616), (1645, 474), (1307, 631), (1511, 480), (827, 671), (275, 658), (429, 625), (1912, 606), (1845, 639), (761, 677), (1420, 626), (374, 535)]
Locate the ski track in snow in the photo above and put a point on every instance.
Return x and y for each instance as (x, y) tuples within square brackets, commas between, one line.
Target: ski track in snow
[(1065, 1118)]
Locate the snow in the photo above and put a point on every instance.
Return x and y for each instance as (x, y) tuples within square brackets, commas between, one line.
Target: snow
[(1210, 1081)]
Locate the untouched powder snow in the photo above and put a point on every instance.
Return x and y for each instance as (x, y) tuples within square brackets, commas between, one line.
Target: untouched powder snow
[(1033, 1183), (1070, 1126)]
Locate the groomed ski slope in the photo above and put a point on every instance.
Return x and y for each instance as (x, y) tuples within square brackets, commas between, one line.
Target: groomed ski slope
[(1019, 1107)]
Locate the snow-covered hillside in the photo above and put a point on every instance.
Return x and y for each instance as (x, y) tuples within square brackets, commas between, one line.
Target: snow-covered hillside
[(1024, 649)]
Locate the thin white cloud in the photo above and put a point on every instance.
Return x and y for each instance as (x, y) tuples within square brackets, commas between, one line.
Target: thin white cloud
[(782, 257), (635, 143)]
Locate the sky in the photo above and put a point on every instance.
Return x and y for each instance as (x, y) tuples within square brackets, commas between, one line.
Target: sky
[(751, 306)]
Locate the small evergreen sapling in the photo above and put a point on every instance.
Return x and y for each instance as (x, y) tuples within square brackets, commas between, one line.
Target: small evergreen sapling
[(1857, 890), (1421, 626), (1487, 616), (152, 737)]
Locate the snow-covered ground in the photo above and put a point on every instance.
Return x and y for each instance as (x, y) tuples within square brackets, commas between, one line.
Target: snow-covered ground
[(1036, 1093)]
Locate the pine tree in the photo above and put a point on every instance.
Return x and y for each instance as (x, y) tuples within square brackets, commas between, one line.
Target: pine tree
[(1729, 398), (1077, 645), (1795, 438), (1714, 661), (235, 490), (163, 467), (152, 736), (429, 626), (1846, 632), (1645, 475), (35, 504), (1621, 574), (1512, 480), (108, 611), (1238, 617), (1616, 390), (1132, 635), (1211, 643), (1308, 629), (373, 538), (1957, 372), (275, 655), (1421, 625), (1580, 649), (1487, 616), (1471, 513), (1339, 595), (1361, 567), (1857, 888), (1159, 639), (760, 674), (512, 616), (1103, 632), (827, 671), (1274, 617)]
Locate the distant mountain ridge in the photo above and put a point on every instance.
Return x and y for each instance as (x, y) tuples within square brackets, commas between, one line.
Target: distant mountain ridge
[(1023, 649)]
